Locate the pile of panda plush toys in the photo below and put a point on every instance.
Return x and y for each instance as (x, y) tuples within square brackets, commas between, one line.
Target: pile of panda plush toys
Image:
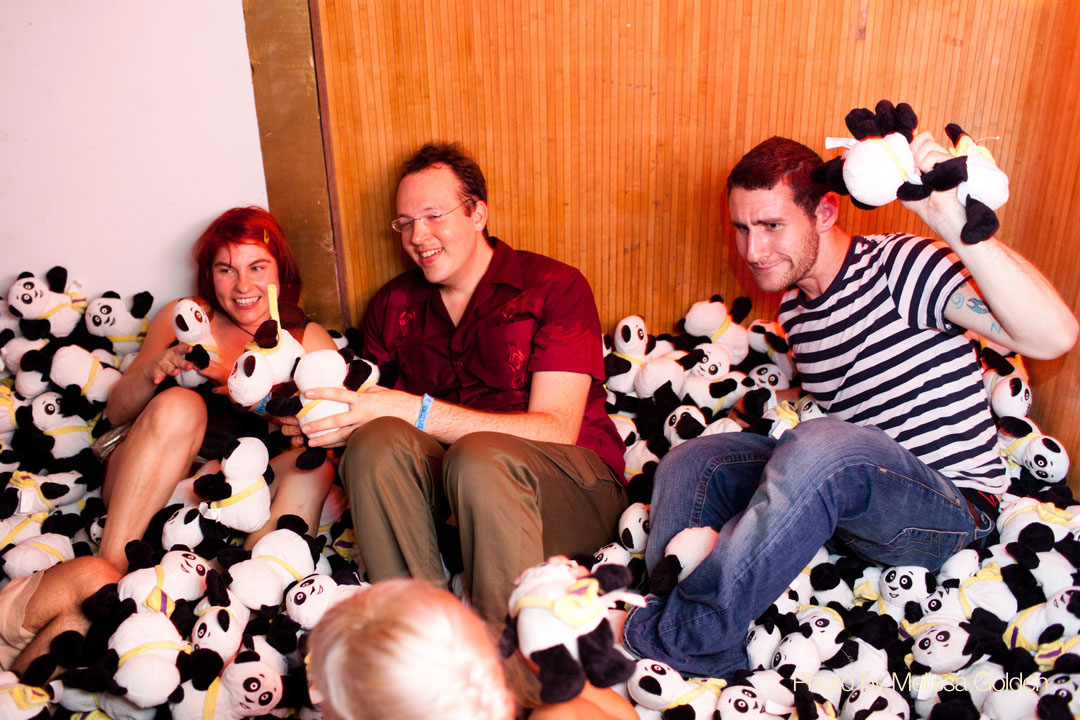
[(995, 633), (198, 628)]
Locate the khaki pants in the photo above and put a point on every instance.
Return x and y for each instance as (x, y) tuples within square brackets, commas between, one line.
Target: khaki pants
[(515, 502)]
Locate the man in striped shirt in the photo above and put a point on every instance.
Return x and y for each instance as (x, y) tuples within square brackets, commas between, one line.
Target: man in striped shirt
[(904, 470)]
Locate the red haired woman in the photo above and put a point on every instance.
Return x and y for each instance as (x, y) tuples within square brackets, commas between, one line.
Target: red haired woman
[(238, 256)]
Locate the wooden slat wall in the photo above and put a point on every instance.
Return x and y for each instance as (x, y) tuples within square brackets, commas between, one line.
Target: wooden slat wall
[(606, 129)]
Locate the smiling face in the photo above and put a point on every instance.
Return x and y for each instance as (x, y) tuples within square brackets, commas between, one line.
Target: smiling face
[(452, 250), (778, 240), (241, 273)]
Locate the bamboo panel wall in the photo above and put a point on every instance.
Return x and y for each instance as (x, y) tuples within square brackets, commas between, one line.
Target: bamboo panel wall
[(606, 129)]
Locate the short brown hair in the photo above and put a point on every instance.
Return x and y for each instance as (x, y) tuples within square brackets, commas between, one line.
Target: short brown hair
[(465, 169), (779, 160)]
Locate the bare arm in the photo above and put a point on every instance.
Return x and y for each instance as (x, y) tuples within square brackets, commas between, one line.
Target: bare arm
[(1010, 302), (155, 362), (556, 409)]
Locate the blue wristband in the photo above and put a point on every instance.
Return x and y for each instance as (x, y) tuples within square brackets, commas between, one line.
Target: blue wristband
[(260, 409), (425, 405)]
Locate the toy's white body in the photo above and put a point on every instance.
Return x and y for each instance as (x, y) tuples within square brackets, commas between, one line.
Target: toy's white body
[(72, 365), (147, 645), (192, 326), (248, 508), (181, 575), (37, 553), (279, 558)]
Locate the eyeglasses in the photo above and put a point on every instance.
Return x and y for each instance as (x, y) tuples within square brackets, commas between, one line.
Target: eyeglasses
[(404, 223)]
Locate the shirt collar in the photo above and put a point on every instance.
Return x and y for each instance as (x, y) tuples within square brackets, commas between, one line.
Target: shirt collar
[(505, 266)]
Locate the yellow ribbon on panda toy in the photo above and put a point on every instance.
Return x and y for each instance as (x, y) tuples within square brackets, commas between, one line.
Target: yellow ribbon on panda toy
[(892, 156), (181, 646), (27, 697), (721, 330), (703, 685), (242, 495), (77, 303), (28, 481), (138, 337), (580, 605), (210, 703), (36, 517), (158, 600), (7, 402)]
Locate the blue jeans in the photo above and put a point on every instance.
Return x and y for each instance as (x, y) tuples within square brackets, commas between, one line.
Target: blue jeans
[(775, 503)]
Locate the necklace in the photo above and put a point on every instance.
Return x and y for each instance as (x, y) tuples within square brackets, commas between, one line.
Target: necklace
[(240, 327)]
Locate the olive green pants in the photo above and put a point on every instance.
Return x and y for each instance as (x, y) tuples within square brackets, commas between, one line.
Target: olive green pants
[(515, 502)]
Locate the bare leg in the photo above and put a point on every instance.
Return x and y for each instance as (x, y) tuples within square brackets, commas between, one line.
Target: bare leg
[(143, 471), (296, 492), (55, 606)]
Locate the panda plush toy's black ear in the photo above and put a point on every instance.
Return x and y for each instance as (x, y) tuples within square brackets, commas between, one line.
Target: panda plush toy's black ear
[(56, 277), (141, 304)]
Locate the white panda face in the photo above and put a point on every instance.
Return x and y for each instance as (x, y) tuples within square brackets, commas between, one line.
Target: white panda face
[(218, 630), (761, 643), (1057, 611), (189, 321), (185, 572), (46, 411), (943, 602), (1010, 397), (808, 409), (630, 336), (102, 314), (862, 700), (309, 599), (28, 297), (654, 684), (797, 656), (634, 527), (1063, 686), (769, 375), (255, 686), (941, 648), (715, 364), (182, 528), (1046, 459), (672, 430), (827, 629), (902, 584), (742, 702), (251, 378), (612, 554)]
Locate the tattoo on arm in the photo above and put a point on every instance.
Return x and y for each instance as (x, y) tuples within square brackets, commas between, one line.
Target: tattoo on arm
[(957, 300), (977, 305), (996, 329)]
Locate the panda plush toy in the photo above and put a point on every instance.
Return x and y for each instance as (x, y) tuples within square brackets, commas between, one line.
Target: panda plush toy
[(661, 691), (48, 308), (308, 600), (75, 366), (558, 620), (712, 320), (877, 167), (51, 429), (248, 687), (26, 702), (145, 653), (191, 325), (123, 325), (278, 559), (238, 496), (181, 575)]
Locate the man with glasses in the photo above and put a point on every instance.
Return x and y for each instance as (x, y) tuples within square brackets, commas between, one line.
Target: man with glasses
[(496, 425)]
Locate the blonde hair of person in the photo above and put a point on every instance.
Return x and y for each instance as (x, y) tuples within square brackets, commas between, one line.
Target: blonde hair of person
[(408, 650)]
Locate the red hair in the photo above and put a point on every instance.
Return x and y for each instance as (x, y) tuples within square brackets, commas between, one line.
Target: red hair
[(247, 225)]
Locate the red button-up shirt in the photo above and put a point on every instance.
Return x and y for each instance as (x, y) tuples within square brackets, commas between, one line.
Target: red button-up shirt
[(529, 314)]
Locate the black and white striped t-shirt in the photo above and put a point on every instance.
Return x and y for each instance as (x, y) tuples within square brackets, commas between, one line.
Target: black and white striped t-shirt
[(875, 349)]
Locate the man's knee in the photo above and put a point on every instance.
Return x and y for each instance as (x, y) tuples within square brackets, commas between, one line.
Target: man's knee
[(479, 456), (377, 454)]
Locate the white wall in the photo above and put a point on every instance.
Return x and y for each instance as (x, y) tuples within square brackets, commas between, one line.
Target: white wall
[(125, 127)]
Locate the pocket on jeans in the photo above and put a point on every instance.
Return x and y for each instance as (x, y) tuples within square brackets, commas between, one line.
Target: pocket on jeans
[(912, 546)]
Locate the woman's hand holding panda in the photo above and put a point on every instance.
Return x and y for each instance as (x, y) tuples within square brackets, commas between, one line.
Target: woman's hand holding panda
[(169, 363)]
